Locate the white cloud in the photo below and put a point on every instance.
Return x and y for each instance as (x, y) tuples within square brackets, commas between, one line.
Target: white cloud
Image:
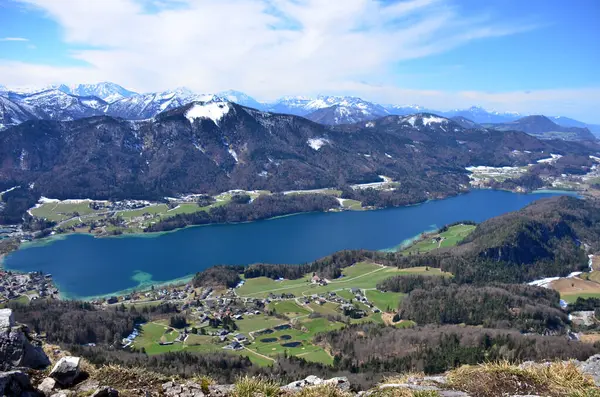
[(267, 48), (13, 39)]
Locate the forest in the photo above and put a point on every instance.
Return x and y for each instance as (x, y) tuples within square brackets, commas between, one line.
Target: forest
[(240, 210)]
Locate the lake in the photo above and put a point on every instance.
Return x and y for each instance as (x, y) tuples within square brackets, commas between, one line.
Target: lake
[(85, 266)]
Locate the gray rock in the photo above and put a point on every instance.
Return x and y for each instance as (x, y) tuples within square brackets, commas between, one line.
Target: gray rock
[(6, 319), (220, 390), (66, 370), (16, 384), (189, 389), (310, 381), (47, 386), (591, 367), (106, 391), (16, 349)]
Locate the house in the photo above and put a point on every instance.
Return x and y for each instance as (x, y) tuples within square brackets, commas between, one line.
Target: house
[(233, 346), (315, 279), (240, 338)]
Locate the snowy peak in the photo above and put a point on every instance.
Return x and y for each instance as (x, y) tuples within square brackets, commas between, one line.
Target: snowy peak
[(241, 99), (12, 113), (145, 106), (107, 91), (426, 120), (55, 104)]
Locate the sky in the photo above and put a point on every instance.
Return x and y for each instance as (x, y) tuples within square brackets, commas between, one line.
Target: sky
[(532, 56)]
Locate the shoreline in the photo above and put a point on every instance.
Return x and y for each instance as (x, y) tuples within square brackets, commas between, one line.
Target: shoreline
[(147, 285), (57, 236)]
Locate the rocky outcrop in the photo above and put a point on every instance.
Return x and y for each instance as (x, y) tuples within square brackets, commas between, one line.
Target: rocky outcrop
[(189, 389), (17, 350), (16, 384), (66, 370), (341, 383)]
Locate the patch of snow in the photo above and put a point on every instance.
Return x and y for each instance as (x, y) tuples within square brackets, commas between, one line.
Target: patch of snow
[(597, 159), (411, 120), (551, 160), (213, 110), (341, 201), (317, 143), (233, 154), (433, 119), (9, 190), (46, 200), (388, 156), (370, 124), (263, 174)]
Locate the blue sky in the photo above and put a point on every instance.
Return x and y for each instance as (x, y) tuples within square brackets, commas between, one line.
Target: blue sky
[(529, 56)]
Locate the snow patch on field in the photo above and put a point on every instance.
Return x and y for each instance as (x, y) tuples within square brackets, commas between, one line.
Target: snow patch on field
[(433, 119), (552, 159), (213, 110), (317, 143)]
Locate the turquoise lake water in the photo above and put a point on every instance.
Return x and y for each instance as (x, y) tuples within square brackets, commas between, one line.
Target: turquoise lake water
[(85, 266)]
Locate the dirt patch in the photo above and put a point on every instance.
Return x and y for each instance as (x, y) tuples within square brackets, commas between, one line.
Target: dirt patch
[(388, 318), (590, 338), (575, 286)]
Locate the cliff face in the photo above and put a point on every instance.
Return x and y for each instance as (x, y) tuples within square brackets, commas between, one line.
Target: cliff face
[(17, 350)]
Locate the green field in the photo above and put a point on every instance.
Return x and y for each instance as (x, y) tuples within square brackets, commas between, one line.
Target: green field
[(289, 309), (352, 204), (572, 298), (60, 211), (264, 344), (384, 300), (362, 275), (449, 238), (255, 323)]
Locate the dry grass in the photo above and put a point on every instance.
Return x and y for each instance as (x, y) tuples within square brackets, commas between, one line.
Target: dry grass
[(575, 286), (249, 386), (402, 392), (408, 377), (493, 379), (123, 378), (322, 391)]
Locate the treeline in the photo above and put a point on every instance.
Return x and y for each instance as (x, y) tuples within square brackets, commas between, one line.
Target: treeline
[(523, 307), (218, 276), (14, 204), (373, 348), (76, 322), (411, 190), (263, 207), (408, 283), (528, 181)]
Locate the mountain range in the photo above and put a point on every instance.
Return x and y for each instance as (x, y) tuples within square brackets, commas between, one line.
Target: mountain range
[(215, 145), (62, 102)]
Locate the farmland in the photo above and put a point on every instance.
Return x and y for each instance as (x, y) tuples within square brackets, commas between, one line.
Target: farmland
[(286, 325), (448, 238)]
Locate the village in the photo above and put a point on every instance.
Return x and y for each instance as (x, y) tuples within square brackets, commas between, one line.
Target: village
[(25, 287)]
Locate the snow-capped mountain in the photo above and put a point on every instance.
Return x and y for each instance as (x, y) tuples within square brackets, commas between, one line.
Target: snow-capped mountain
[(144, 106), (241, 99), (12, 113), (481, 115), (403, 110), (58, 105), (339, 106), (109, 92)]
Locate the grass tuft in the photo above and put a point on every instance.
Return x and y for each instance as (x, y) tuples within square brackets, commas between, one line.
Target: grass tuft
[(403, 392), (500, 378), (249, 386), (322, 391)]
